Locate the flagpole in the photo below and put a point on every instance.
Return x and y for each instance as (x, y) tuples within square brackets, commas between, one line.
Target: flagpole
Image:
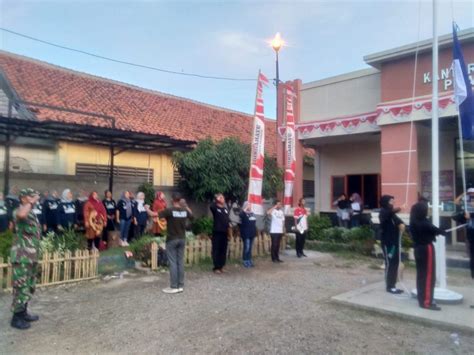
[(441, 293)]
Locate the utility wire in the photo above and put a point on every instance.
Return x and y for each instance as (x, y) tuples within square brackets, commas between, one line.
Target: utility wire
[(124, 62)]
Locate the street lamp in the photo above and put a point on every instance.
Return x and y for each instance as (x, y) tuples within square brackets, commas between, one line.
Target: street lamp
[(276, 44)]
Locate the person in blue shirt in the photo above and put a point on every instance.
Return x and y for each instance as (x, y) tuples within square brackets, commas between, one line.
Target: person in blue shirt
[(248, 230), (67, 211), (140, 214), (3, 215), (51, 212), (124, 216)]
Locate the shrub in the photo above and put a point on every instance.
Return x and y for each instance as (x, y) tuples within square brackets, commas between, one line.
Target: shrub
[(407, 242), (316, 226), (202, 225), (336, 235), (6, 240), (141, 247), (69, 240)]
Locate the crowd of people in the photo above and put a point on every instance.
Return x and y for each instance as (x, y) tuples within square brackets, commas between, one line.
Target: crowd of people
[(349, 210), (32, 215)]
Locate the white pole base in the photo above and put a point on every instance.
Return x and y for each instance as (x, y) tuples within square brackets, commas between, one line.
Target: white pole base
[(444, 296)]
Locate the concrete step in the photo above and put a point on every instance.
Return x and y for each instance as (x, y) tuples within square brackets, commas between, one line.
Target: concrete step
[(457, 259)]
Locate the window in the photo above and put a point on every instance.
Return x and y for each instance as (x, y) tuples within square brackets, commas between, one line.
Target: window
[(119, 171), (308, 188), (366, 185), (468, 164), (177, 178)]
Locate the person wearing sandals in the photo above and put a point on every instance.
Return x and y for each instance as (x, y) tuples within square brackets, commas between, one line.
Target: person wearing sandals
[(248, 230)]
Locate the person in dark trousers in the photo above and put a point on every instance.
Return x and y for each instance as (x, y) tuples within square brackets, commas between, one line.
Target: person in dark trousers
[(3, 215), (343, 211), (80, 202), (424, 235), (220, 232), (391, 226), (67, 211), (277, 228), (111, 209), (301, 227), (176, 218), (132, 231), (467, 217), (124, 216), (248, 231), (357, 206), (51, 212), (140, 214)]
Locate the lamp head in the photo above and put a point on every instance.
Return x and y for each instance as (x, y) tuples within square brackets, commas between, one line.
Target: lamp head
[(277, 42)]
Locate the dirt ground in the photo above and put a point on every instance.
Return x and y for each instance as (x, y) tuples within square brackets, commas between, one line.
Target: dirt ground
[(272, 308)]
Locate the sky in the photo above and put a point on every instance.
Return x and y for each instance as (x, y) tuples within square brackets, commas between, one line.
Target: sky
[(220, 38)]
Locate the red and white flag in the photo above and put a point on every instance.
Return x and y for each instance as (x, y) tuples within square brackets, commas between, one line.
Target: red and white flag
[(258, 147), (290, 165)]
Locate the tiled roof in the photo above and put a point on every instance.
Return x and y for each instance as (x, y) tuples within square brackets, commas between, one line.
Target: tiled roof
[(135, 109)]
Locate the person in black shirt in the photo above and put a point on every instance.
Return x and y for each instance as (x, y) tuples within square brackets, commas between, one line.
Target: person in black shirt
[(110, 208), (38, 211), (67, 211), (424, 234), (391, 226), (248, 231), (3, 214), (79, 203), (220, 231), (140, 214), (176, 218), (51, 212), (12, 202), (132, 231)]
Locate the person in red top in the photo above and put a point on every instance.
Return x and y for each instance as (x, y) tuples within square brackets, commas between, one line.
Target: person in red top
[(95, 218), (159, 204), (301, 227)]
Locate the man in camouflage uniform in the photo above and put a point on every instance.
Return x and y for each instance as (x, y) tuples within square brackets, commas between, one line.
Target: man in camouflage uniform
[(24, 258)]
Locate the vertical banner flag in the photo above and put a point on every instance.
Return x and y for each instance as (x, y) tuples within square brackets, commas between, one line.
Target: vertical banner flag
[(258, 147), (463, 95), (290, 165)]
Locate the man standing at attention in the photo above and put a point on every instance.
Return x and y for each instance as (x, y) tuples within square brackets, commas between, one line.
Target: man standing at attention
[(277, 229), (219, 233), (176, 217), (24, 258)]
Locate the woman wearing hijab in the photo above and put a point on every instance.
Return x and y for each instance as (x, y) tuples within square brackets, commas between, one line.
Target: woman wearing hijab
[(67, 211), (3, 214), (111, 208), (124, 216), (391, 226), (95, 218), (424, 234), (159, 204), (356, 208), (140, 214), (248, 230)]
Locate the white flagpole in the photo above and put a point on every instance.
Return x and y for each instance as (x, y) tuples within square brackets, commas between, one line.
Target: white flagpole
[(441, 294)]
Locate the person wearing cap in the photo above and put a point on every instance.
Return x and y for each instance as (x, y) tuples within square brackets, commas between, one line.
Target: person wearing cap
[(390, 227), (24, 258)]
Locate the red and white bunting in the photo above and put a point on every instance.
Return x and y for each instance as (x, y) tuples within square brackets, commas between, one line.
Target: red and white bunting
[(290, 166), (258, 147)]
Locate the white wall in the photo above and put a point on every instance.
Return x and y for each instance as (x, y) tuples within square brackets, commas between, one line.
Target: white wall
[(351, 94)]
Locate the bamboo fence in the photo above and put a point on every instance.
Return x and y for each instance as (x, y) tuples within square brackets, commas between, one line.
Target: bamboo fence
[(197, 250), (55, 269)]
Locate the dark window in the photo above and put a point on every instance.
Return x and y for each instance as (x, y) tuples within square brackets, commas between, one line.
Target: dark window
[(308, 188), (367, 186)]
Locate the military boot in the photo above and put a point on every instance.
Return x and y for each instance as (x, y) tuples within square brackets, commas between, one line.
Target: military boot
[(30, 317), (19, 322)]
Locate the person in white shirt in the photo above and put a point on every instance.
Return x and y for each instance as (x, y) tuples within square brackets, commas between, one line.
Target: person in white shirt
[(276, 229)]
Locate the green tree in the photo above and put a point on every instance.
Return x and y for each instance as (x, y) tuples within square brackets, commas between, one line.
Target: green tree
[(222, 167)]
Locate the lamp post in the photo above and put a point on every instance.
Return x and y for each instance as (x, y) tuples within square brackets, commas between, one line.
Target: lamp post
[(276, 44)]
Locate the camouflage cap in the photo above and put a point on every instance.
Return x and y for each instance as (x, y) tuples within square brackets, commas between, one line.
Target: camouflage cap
[(28, 192)]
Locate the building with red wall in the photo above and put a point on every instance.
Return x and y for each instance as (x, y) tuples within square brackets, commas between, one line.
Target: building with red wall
[(371, 129)]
